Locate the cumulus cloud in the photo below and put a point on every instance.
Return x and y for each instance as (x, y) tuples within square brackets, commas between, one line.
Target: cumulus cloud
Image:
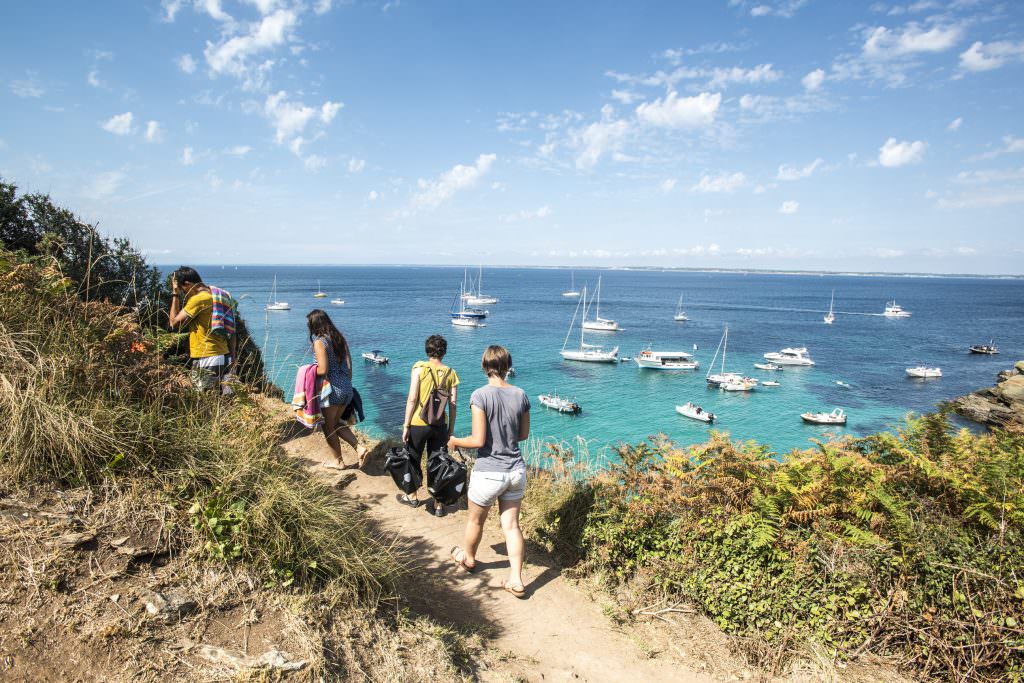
[(314, 162), (171, 9), (813, 80), (213, 8), (885, 43), (291, 118), (104, 185), (322, 6), (121, 124), (762, 73), (723, 182), (789, 207), (988, 56), (680, 112), (895, 153), (794, 173), (955, 124), (187, 64), (595, 140), (460, 177), (233, 56), (188, 156), (153, 131), (356, 165), (239, 150)]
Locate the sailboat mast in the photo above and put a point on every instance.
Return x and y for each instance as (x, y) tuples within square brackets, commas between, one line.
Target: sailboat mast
[(711, 365), (583, 299), (725, 347), (598, 314)]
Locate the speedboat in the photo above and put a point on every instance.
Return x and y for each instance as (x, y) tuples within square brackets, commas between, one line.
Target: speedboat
[(836, 417), (921, 372), (743, 384), (894, 310), (695, 412), (562, 405), (794, 356), (767, 366), (376, 357), (989, 349), (770, 383), (468, 322), (338, 302), (665, 360), (843, 384)]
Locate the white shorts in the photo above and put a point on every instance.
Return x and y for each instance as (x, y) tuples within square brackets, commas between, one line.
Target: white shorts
[(485, 488)]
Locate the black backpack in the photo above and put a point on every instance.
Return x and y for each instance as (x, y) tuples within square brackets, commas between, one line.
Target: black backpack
[(432, 412), (403, 469), (446, 477)]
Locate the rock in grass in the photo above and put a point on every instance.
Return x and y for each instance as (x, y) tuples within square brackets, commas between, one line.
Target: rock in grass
[(173, 604), (271, 659), (75, 540)]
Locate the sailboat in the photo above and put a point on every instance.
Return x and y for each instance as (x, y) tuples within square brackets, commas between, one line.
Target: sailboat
[(320, 294), (573, 293), (731, 381), (599, 324), (274, 304), (480, 299), (830, 317), (591, 353), (680, 313), (466, 317)]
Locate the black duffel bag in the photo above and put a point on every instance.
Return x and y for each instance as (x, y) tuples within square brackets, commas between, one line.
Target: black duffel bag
[(446, 477), (403, 469)]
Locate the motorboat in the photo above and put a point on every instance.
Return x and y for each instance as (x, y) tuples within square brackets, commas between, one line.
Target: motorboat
[(588, 353), (836, 417), (480, 299), (680, 315), (562, 405), (511, 372), (338, 302), (695, 412), (830, 317), (573, 293), (768, 366), (599, 324), (770, 383), (320, 293), (841, 383), (274, 304), (793, 356), (989, 349), (665, 360), (468, 322), (742, 384), (894, 310), (376, 357), (921, 372), (722, 377)]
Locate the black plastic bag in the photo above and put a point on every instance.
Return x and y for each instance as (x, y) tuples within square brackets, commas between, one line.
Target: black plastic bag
[(404, 470), (446, 477)]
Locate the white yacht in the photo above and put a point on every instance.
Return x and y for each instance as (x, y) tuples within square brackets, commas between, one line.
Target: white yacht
[(468, 322), (894, 310), (338, 302), (599, 324), (680, 315), (480, 299), (836, 417), (573, 293), (742, 384), (722, 378), (794, 356), (464, 313), (589, 353), (830, 317), (921, 372), (665, 360), (274, 304), (768, 366), (696, 412)]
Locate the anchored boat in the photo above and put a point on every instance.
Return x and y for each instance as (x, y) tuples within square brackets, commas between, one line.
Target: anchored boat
[(989, 349), (589, 353), (695, 412), (274, 304), (562, 405), (680, 315), (836, 417), (665, 360), (376, 357), (921, 372), (599, 324), (794, 356), (894, 310)]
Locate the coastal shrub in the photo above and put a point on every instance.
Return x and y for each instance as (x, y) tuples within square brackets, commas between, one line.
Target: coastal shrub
[(905, 544)]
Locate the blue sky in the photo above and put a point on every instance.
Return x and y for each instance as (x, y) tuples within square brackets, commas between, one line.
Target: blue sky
[(793, 134)]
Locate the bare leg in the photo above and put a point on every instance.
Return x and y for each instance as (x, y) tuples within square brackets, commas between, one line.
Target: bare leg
[(332, 415), (474, 530), (513, 539), (349, 437)]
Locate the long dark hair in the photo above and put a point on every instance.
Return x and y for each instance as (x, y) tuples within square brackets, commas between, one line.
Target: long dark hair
[(320, 325)]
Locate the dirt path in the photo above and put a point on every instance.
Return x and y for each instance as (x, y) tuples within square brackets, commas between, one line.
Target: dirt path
[(557, 633)]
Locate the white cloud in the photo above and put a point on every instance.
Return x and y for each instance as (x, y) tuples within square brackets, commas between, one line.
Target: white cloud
[(104, 185), (239, 150), (356, 165), (187, 64), (667, 185), (93, 78), (264, 6), (121, 124), (813, 80), (373, 196), (698, 250), (985, 177), (680, 112), (789, 207), (153, 132), (460, 177), (884, 43), (987, 56), (213, 8), (528, 215), (1011, 145), (29, 87), (794, 173), (598, 138), (760, 11), (188, 156), (885, 252), (329, 110), (232, 56), (955, 124), (626, 97), (723, 182), (171, 9), (314, 162), (985, 198), (322, 6), (291, 118), (214, 180), (762, 73), (39, 165), (894, 154), (779, 8)]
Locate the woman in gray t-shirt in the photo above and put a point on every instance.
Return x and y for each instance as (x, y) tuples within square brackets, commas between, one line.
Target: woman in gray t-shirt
[(501, 419)]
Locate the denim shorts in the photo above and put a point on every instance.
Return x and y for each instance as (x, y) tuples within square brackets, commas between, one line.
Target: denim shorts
[(487, 487)]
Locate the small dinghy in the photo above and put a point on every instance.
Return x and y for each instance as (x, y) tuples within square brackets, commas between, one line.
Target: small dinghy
[(921, 372), (376, 357), (562, 405), (836, 417), (843, 384), (767, 366), (695, 412), (770, 383)]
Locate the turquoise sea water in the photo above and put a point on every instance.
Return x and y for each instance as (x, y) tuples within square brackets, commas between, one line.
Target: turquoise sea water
[(395, 308)]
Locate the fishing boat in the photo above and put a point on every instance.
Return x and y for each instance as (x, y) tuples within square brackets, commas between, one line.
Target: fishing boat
[(688, 409), (480, 299), (921, 372), (573, 293), (989, 349), (376, 357), (338, 302), (894, 310), (680, 315), (830, 317), (464, 312), (665, 360), (320, 293), (562, 405), (836, 417), (722, 377), (599, 324), (589, 353), (770, 383), (793, 356), (274, 304), (768, 366)]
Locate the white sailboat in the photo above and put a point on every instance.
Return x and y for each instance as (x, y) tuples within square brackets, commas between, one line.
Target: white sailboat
[(589, 353), (320, 294), (599, 324), (466, 317), (680, 313), (830, 317), (480, 299), (573, 293), (732, 381), (274, 304)]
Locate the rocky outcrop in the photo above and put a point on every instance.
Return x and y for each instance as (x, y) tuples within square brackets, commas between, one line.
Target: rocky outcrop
[(1000, 406)]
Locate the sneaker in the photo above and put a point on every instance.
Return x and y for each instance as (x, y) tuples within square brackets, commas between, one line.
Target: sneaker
[(436, 509)]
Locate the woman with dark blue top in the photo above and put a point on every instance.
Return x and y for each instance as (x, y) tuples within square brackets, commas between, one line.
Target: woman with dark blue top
[(334, 363)]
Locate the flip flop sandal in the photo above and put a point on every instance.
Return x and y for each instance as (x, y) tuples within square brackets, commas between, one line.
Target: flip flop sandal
[(462, 563), (333, 466), (406, 500), (518, 590)]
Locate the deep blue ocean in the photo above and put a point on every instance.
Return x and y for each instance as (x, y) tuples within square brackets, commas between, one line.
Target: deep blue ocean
[(395, 308)]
